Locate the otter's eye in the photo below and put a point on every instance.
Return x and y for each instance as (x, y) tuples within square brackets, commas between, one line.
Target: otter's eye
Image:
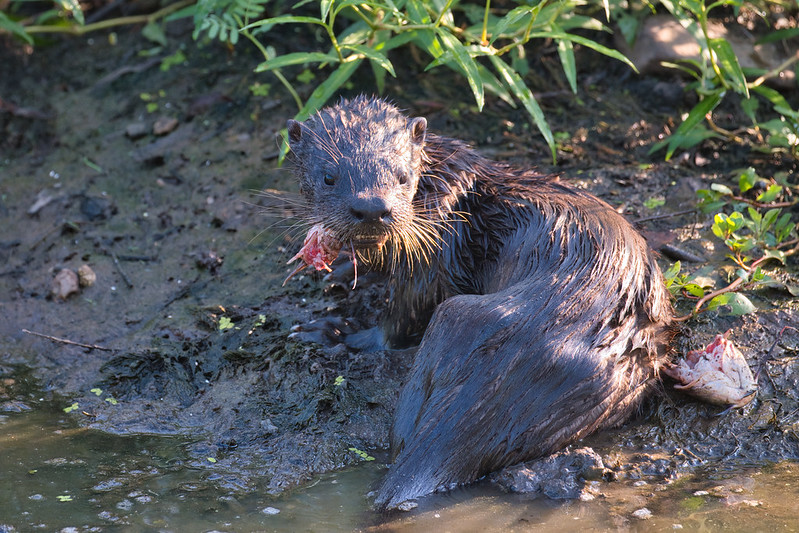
[(330, 180), (402, 178)]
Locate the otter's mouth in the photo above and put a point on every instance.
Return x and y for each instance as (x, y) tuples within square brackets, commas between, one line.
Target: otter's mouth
[(369, 241)]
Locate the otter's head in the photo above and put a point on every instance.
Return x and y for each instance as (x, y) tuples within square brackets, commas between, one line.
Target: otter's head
[(359, 165)]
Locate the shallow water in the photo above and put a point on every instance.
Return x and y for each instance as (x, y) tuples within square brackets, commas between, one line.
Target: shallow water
[(56, 475)]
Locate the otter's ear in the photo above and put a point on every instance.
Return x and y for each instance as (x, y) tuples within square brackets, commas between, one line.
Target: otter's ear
[(295, 132), (418, 129)]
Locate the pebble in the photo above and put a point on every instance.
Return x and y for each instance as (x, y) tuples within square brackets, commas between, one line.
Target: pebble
[(271, 510), (642, 514), (136, 130), (165, 125), (64, 284), (86, 276)]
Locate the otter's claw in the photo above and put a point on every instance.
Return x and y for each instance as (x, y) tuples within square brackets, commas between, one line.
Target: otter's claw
[(326, 331)]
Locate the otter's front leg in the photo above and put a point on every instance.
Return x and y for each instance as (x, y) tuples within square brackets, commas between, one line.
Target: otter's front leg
[(400, 325), (330, 331)]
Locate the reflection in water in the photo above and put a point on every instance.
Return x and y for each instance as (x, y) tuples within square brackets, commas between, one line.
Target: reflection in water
[(54, 476)]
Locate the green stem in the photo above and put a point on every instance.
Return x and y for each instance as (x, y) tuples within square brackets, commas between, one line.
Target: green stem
[(111, 23), (443, 12), (483, 36), (275, 71)]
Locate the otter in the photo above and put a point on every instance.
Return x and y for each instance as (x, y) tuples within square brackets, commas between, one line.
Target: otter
[(540, 313)]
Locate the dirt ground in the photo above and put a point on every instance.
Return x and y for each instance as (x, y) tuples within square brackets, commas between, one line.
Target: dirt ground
[(185, 330)]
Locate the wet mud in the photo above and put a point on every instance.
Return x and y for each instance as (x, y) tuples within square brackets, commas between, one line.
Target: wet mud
[(152, 178)]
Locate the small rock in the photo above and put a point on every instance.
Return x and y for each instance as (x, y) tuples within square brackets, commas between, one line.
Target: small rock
[(268, 426), (14, 406), (64, 284), (124, 505), (165, 125), (407, 505), (96, 208), (640, 483), (137, 130), (271, 510), (86, 276), (701, 493), (642, 514), (42, 199)]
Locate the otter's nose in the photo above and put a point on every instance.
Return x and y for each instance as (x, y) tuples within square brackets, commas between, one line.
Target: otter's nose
[(373, 209)]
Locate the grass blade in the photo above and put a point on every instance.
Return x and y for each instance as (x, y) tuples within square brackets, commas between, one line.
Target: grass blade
[(697, 114), (466, 62), (295, 58), (516, 85), (566, 54), (372, 55), (729, 64)]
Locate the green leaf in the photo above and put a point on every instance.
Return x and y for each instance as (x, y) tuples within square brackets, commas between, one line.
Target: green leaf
[(588, 43), (74, 7), (284, 19), (723, 189), (779, 35), (380, 77), (516, 86), (296, 58), (673, 270), (776, 99), (694, 290), (566, 54), (15, 28), (738, 303), (512, 17), (729, 64), (770, 194), (697, 114), (779, 255), (417, 12), (749, 106), (324, 6), (747, 179), (493, 85), (374, 56), (770, 217), (466, 62)]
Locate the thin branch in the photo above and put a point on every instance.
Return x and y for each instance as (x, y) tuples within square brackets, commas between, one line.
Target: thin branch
[(75, 29), (67, 341)]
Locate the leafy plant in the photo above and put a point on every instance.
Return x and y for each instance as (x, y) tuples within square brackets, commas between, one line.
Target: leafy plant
[(483, 47), (66, 16), (752, 236), (719, 72)]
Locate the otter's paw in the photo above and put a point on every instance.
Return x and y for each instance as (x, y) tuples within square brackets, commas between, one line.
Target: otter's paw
[(324, 331), (332, 331)]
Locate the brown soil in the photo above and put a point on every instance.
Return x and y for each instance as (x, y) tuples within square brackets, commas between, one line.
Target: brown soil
[(171, 225)]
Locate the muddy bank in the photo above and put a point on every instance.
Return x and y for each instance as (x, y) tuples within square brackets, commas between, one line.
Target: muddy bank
[(150, 177)]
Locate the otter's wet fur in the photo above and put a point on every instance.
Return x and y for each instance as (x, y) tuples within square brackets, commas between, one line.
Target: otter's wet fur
[(542, 313)]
